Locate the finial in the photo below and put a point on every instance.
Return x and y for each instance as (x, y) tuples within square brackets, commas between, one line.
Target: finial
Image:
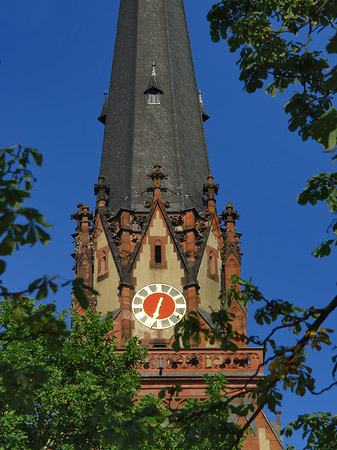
[(153, 73), (156, 176), (210, 188), (153, 87), (102, 190), (210, 178), (229, 216), (82, 215)]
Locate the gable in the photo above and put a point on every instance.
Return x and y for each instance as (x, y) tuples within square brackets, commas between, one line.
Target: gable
[(157, 259), (106, 277), (209, 274)]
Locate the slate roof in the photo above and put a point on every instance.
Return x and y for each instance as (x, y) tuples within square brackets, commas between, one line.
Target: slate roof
[(138, 135)]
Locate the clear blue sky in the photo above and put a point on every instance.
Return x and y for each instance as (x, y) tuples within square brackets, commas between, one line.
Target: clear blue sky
[(55, 65)]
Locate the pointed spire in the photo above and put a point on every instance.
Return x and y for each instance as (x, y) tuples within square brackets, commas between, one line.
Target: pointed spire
[(153, 87), (202, 109), (231, 252), (133, 126), (102, 116), (153, 73), (230, 216)]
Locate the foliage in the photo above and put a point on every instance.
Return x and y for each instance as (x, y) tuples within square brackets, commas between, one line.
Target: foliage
[(21, 225), (275, 39), (203, 425), (55, 394), (322, 187), (320, 430), (288, 366), (207, 425), (283, 45)]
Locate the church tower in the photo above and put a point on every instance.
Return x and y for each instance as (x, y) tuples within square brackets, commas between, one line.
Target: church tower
[(156, 248)]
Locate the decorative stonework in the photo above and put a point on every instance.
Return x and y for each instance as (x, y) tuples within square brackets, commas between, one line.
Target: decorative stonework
[(203, 360), (210, 189), (157, 176), (102, 191), (84, 251), (231, 236)]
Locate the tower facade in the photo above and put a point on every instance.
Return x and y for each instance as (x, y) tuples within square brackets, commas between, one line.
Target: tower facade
[(156, 248)]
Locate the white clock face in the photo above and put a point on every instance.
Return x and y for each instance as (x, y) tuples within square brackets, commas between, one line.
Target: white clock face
[(159, 306)]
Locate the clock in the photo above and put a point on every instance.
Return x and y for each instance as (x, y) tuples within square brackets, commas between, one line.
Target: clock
[(159, 306)]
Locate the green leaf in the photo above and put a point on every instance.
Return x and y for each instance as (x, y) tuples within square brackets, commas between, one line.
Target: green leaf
[(2, 266), (43, 236), (31, 235), (162, 393), (7, 245), (332, 46), (331, 82), (324, 130), (53, 287), (36, 155), (324, 249), (42, 292), (79, 293)]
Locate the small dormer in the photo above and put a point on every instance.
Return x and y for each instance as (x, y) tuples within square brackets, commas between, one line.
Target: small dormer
[(153, 91)]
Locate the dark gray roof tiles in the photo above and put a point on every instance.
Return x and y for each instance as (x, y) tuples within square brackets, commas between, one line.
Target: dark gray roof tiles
[(137, 134)]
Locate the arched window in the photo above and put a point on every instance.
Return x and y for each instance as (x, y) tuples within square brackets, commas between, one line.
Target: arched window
[(102, 263), (158, 253), (212, 263)]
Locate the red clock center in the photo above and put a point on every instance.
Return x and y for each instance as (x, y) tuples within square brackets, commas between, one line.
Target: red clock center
[(159, 305)]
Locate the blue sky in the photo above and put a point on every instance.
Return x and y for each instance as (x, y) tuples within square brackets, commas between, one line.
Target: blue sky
[(55, 65)]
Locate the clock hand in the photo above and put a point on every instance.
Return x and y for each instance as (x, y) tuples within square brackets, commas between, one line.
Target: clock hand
[(156, 313)]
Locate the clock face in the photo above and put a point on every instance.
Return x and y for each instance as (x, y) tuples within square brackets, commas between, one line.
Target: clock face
[(159, 306)]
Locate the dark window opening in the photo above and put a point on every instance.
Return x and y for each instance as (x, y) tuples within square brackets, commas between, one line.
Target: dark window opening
[(157, 254)]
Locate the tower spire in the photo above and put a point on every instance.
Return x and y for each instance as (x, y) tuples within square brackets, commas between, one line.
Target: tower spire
[(158, 46), (158, 252)]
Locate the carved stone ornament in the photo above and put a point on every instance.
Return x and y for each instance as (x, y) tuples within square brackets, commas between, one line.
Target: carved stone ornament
[(157, 175), (102, 189), (229, 215), (209, 188), (201, 360)]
